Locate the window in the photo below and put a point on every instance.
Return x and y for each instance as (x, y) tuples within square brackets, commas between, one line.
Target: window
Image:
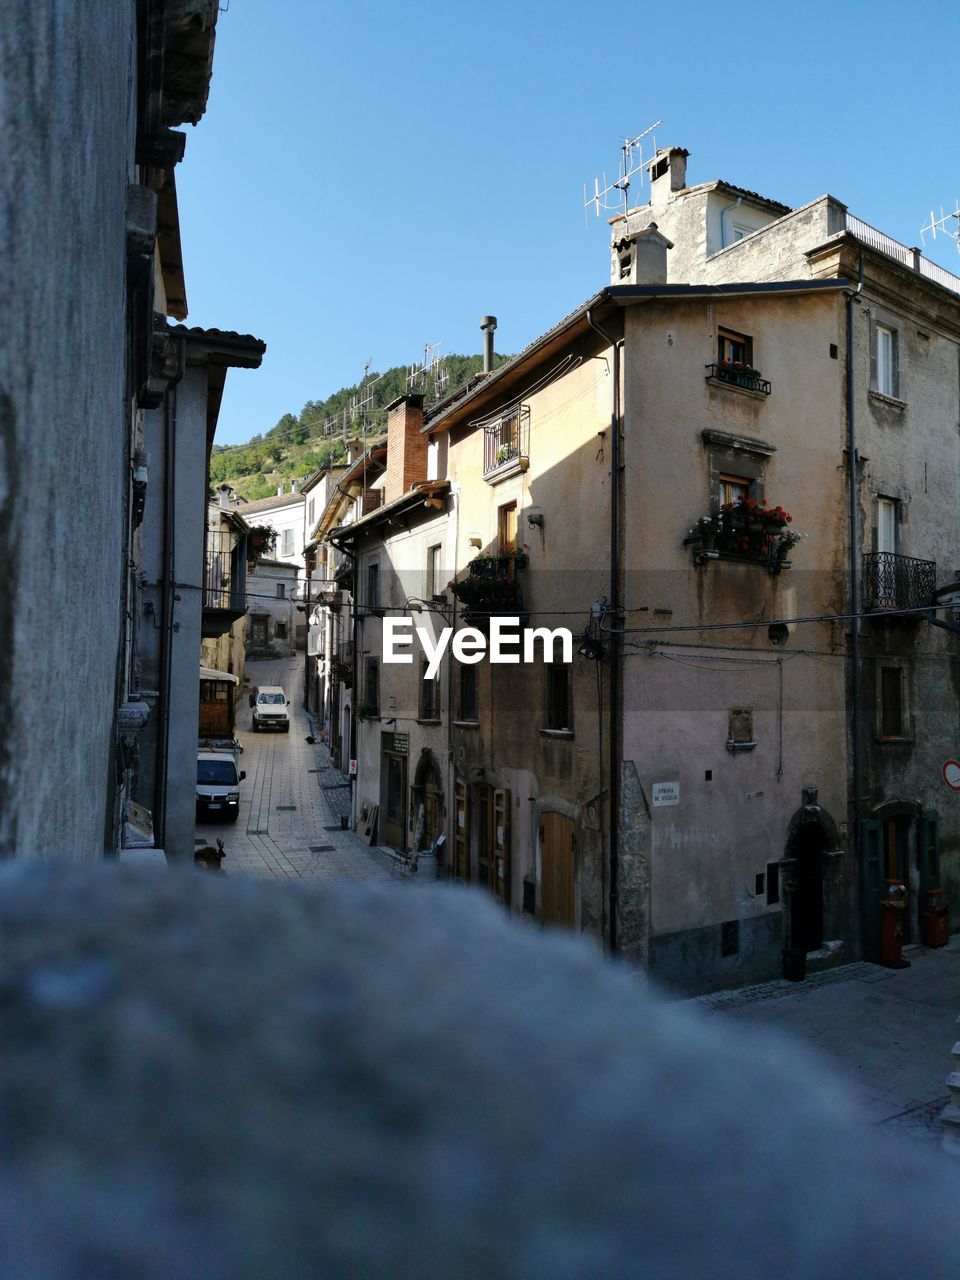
[(733, 489), (773, 883), (281, 591), (310, 513), (280, 630), (740, 727), (467, 706), (885, 361), (892, 719), (373, 585), (371, 685), (286, 545), (888, 525), (507, 527), (559, 697), (734, 348), (429, 695), (433, 571)]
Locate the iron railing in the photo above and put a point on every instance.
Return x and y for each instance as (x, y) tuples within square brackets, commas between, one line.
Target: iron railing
[(891, 581), (749, 379), (506, 441), (907, 257), (225, 572)]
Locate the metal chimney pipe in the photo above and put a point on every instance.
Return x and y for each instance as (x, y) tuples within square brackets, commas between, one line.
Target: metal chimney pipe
[(488, 324)]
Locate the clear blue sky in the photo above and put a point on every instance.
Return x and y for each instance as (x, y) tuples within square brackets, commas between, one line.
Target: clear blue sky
[(370, 177)]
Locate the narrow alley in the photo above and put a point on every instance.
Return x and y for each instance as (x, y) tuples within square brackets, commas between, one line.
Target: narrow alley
[(291, 801)]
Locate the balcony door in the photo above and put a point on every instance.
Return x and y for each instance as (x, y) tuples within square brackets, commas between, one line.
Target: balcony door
[(887, 526)]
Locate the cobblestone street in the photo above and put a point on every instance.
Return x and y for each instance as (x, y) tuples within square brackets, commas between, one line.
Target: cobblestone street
[(888, 1032), (292, 800)]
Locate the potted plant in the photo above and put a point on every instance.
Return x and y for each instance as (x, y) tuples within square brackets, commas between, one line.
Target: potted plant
[(505, 453), (367, 711), (261, 539)]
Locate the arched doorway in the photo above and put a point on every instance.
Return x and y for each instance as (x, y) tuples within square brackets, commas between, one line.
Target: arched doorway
[(805, 850), (427, 796)]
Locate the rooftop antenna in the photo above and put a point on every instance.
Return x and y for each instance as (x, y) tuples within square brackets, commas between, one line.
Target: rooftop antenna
[(631, 163), (942, 224), (433, 363)]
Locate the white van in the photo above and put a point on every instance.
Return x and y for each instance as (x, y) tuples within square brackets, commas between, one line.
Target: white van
[(270, 704), (218, 786)]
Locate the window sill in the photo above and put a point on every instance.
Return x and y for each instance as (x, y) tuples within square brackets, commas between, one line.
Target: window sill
[(740, 391), (429, 720), (890, 402), (466, 724), (898, 740), (734, 747), (512, 467), (557, 733)]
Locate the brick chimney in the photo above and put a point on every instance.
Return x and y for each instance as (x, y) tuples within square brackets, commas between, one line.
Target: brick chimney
[(406, 447)]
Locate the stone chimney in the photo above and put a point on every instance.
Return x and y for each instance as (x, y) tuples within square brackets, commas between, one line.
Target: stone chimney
[(223, 495), (668, 174), (640, 257), (406, 447), (354, 451), (280, 489)]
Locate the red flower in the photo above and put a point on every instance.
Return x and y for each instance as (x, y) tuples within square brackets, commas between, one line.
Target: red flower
[(751, 502), (789, 519)]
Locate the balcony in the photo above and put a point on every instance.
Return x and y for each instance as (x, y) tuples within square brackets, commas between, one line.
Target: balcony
[(741, 376), (224, 582), (506, 444), (894, 582), (492, 587), (748, 531)]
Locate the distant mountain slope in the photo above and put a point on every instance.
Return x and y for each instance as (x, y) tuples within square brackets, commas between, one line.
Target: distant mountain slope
[(300, 443)]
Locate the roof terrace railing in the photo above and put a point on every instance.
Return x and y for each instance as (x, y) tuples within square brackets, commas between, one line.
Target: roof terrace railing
[(907, 257)]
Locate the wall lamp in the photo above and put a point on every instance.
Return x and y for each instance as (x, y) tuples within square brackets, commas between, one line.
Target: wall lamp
[(592, 649)]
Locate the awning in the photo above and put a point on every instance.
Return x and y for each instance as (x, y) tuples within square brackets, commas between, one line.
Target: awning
[(207, 673)]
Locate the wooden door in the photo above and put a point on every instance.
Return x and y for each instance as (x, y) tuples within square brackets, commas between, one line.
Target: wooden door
[(558, 868), (394, 809), (483, 808), (461, 831), (501, 845)]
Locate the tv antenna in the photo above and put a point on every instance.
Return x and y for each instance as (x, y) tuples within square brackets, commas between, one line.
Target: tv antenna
[(434, 365), (942, 224), (631, 163)]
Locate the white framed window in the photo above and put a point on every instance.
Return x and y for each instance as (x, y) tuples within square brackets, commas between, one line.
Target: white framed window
[(887, 525), (886, 374), (286, 546)]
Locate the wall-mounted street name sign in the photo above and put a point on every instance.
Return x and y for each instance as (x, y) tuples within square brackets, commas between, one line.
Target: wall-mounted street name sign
[(666, 793)]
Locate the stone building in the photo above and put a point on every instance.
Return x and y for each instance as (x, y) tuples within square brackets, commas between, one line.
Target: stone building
[(94, 375), (686, 789), (272, 618)]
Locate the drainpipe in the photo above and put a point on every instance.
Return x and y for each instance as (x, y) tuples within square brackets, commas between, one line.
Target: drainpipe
[(168, 577), (854, 609), (616, 650), (723, 213)]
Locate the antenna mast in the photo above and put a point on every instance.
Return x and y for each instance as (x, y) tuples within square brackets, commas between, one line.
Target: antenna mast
[(631, 163), (434, 364), (941, 224)]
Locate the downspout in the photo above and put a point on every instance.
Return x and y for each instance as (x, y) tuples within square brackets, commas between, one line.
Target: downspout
[(167, 580), (854, 605), (616, 649)]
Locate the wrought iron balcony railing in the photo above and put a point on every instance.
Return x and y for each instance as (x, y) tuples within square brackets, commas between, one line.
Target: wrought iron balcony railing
[(748, 379), (506, 443), (225, 572), (891, 581)]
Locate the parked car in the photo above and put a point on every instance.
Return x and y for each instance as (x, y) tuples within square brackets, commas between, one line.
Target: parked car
[(269, 704), (218, 785)]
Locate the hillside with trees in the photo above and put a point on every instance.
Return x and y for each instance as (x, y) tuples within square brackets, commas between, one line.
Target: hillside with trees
[(300, 443)]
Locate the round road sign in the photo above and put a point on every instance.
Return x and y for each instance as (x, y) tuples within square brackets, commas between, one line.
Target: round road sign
[(951, 774)]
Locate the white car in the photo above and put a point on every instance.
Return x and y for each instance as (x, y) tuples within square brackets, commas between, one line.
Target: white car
[(218, 786), (270, 704)]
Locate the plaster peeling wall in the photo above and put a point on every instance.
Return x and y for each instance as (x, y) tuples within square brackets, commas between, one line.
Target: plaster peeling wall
[(66, 87)]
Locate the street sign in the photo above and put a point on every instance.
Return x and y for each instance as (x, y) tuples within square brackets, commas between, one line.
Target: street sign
[(353, 768), (951, 774), (666, 793)]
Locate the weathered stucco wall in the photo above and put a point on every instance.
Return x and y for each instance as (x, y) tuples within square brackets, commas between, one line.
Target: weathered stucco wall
[(734, 809), (66, 85)]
